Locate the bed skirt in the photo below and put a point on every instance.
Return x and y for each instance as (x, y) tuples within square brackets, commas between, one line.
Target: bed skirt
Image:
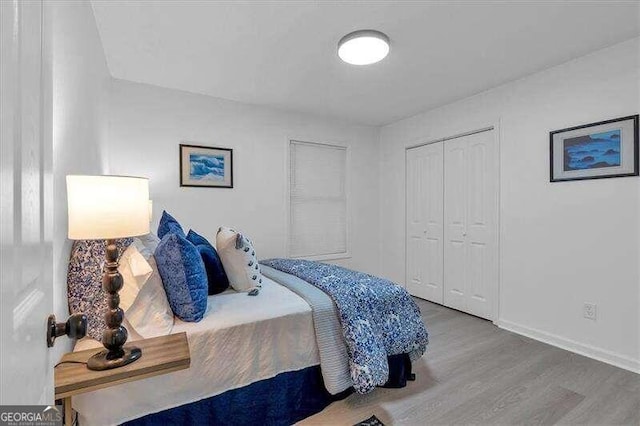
[(282, 400)]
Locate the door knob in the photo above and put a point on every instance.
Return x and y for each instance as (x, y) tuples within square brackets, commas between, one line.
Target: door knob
[(75, 328)]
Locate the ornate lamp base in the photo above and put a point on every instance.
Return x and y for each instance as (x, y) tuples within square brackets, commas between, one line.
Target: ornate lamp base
[(103, 361), (115, 336)]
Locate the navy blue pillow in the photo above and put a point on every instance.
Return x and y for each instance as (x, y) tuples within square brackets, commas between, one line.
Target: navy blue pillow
[(218, 281), (168, 225), (183, 276)]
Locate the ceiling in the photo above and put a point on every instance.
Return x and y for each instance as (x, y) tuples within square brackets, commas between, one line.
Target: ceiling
[(283, 54)]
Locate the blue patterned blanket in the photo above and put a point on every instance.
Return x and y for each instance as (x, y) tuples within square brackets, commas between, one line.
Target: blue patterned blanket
[(378, 317)]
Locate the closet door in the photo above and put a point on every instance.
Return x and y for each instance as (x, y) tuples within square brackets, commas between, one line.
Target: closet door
[(455, 217), (470, 234), (425, 222)]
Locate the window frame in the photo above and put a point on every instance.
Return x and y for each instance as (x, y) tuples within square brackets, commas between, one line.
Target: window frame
[(347, 195)]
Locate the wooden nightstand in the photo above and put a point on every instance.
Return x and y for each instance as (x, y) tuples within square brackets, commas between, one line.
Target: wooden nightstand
[(160, 355)]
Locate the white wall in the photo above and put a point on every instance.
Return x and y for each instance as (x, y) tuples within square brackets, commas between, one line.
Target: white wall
[(79, 90), (147, 124), (562, 244)]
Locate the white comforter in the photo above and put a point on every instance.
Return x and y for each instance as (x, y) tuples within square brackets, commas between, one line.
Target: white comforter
[(241, 339)]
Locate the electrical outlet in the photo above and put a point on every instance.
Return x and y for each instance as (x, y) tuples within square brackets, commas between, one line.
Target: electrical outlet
[(590, 311)]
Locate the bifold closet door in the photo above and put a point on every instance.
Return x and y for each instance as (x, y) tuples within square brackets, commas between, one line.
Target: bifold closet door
[(425, 222), (470, 216)]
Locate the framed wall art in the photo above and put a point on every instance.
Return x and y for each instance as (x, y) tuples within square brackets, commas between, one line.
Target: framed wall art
[(593, 151), (206, 166)]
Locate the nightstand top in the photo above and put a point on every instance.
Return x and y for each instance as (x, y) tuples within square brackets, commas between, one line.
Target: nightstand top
[(160, 355)]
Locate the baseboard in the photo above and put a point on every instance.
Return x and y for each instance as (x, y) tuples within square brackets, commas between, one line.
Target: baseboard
[(587, 350)]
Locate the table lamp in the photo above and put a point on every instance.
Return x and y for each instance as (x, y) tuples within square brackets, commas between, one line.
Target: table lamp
[(108, 208)]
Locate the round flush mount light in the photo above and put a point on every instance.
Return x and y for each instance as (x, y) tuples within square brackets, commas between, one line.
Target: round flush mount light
[(363, 47)]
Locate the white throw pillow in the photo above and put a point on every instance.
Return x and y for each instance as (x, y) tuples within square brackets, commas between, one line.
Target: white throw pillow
[(150, 314), (135, 271), (239, 259), (147, 244), (142, 297)]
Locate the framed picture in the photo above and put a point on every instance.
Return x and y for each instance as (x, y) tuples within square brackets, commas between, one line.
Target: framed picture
[(206, 166), (594, 151)]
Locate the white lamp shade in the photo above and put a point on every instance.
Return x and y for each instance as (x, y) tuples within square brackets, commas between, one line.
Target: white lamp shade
[(107, 207)]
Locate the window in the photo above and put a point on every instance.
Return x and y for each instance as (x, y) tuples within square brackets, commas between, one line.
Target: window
[(318, 227)]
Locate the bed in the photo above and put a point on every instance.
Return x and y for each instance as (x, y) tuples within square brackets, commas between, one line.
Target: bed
[(281, 355), (224, 355)]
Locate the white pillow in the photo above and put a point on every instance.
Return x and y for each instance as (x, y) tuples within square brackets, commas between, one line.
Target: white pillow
[(142, 297), (147, 244), (238, 259), (150, 314), (135, 271)]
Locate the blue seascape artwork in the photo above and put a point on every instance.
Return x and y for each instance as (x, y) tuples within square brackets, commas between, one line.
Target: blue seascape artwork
[(592, 151), (206, 167)]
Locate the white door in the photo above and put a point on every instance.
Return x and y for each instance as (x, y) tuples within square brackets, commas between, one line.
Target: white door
[(470, 216), (25, 235), (424, 221)]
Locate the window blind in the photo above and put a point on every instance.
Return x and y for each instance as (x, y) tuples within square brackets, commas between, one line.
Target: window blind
[(318, 200)]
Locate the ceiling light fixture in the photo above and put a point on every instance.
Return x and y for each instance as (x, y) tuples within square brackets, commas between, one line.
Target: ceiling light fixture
[(363, 47)]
